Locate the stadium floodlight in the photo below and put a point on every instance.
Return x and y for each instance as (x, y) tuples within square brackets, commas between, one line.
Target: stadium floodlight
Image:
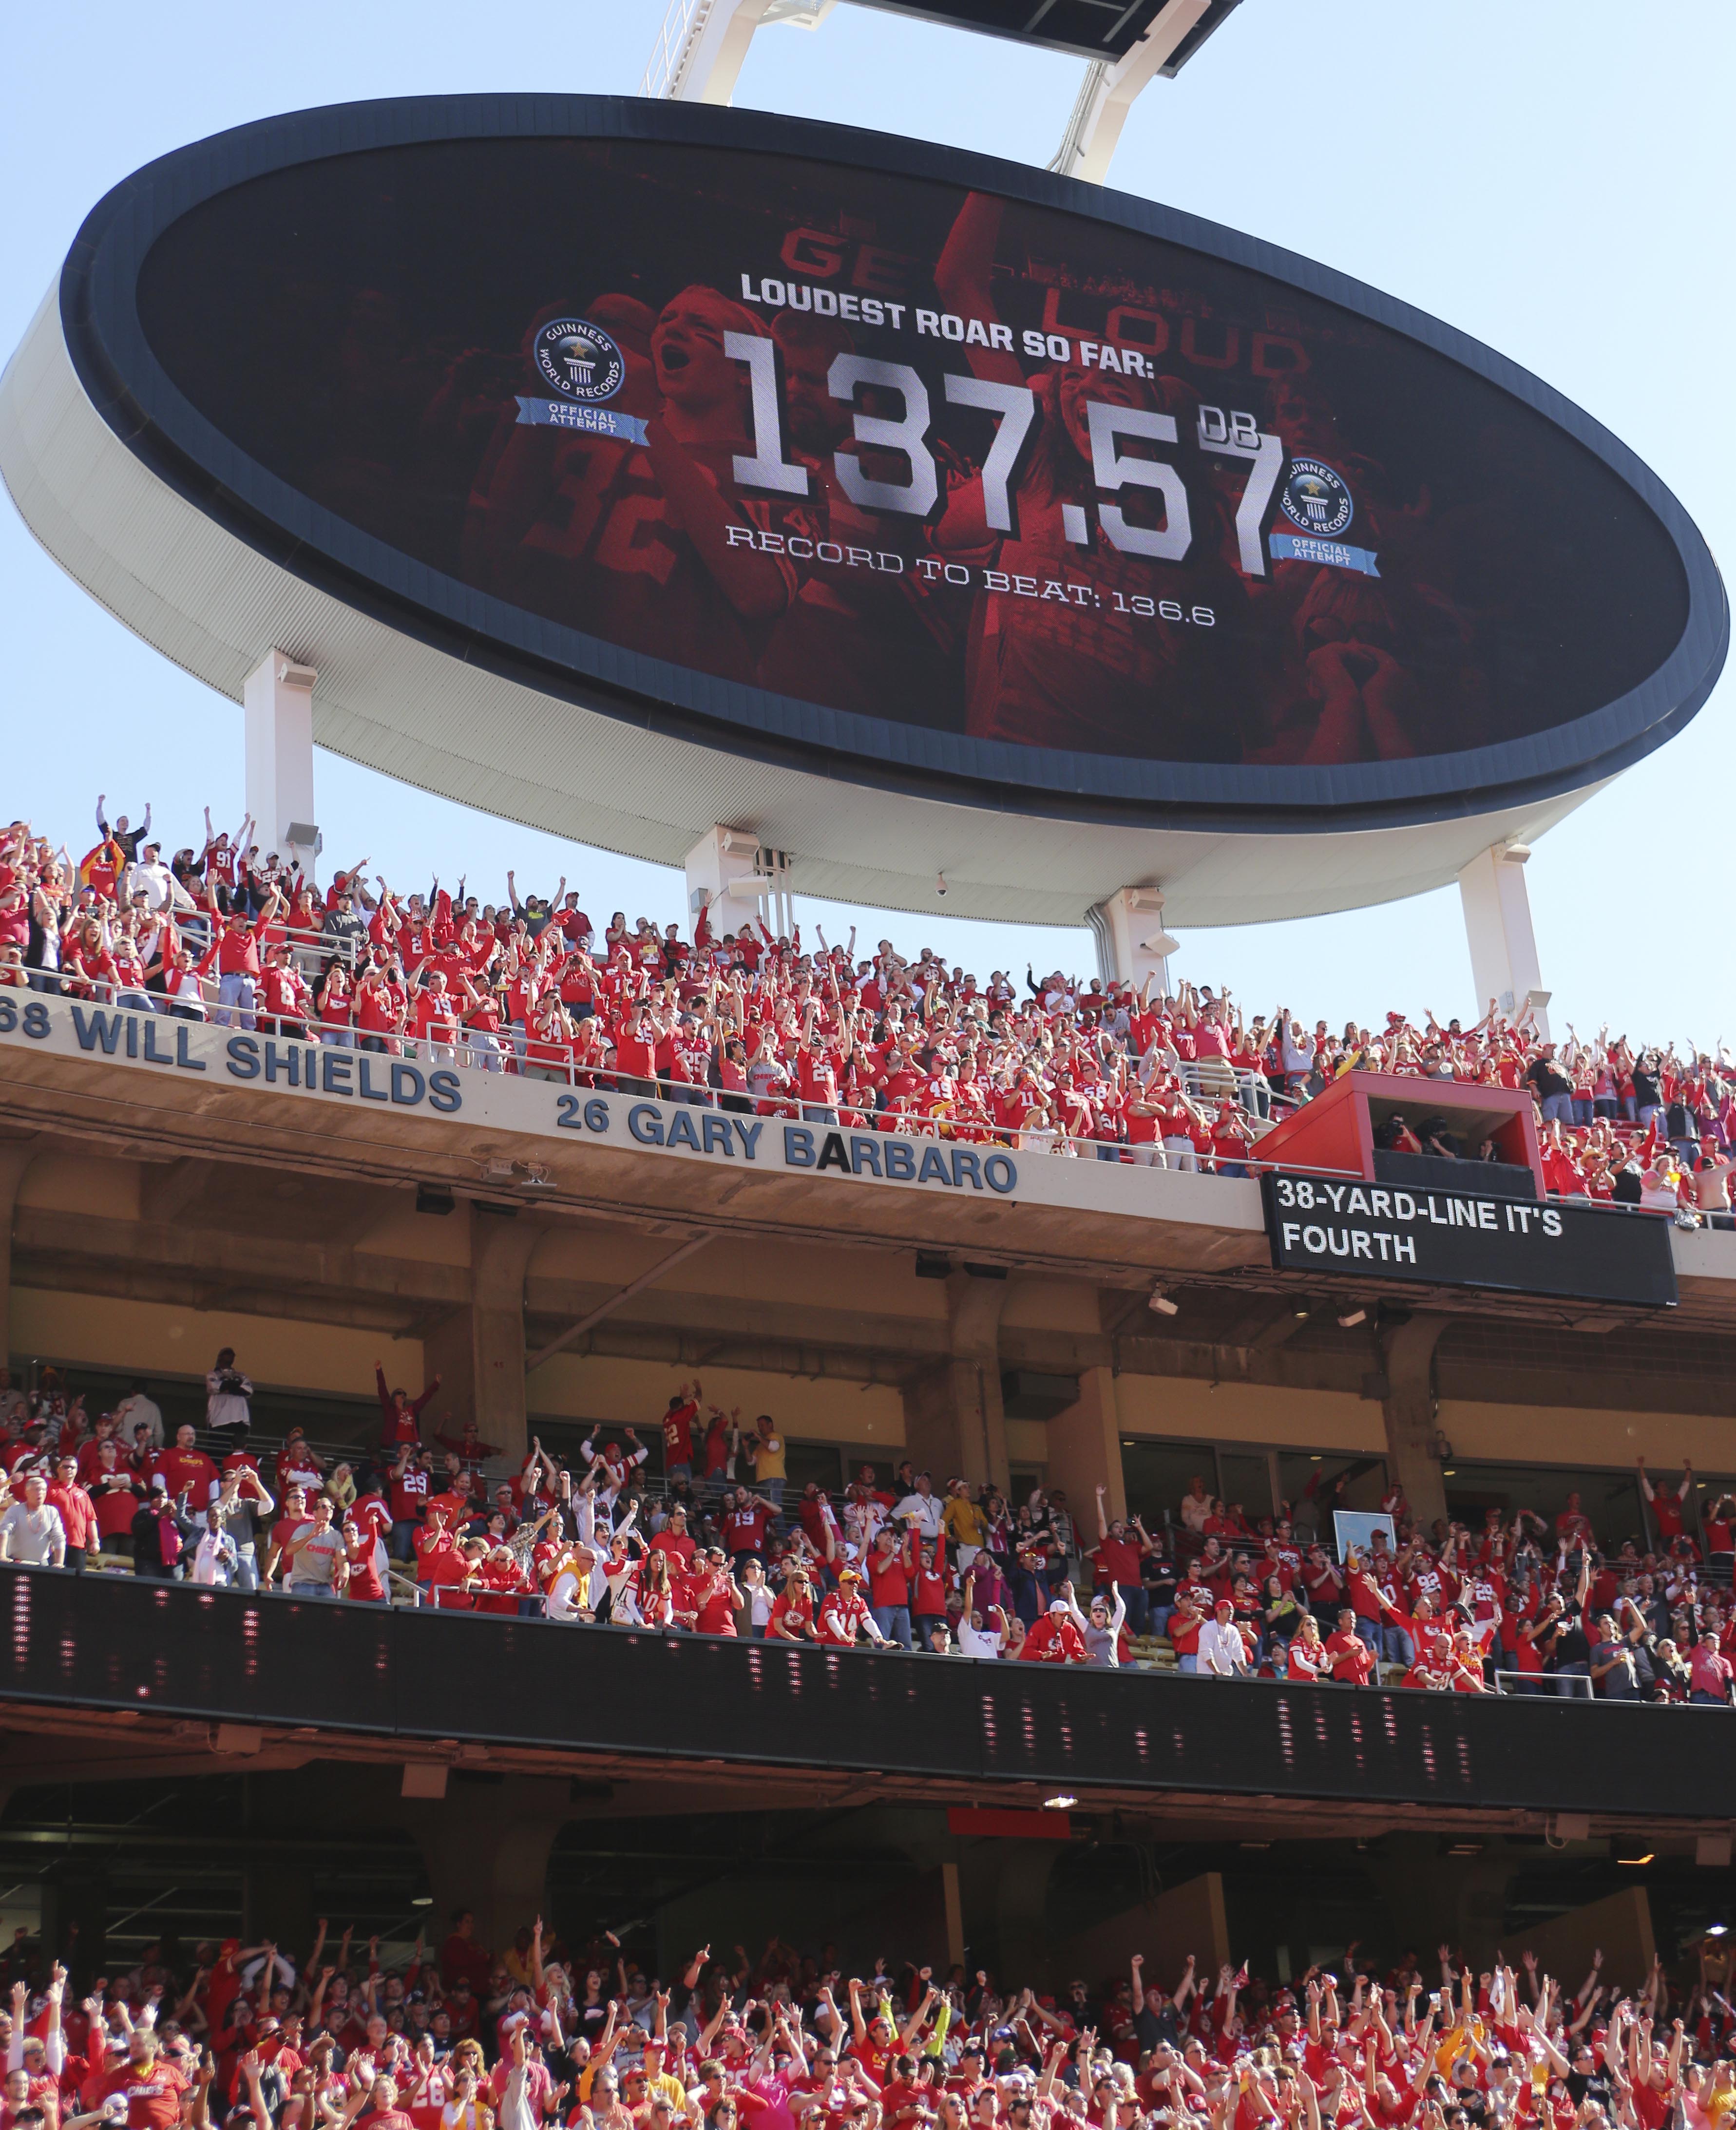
[(1162, 1304), (1350, 1321), (1060, 1801)]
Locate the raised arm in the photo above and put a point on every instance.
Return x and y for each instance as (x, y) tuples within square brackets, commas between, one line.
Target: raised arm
[(914, 2025)]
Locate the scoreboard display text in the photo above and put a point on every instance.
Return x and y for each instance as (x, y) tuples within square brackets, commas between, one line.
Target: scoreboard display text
[(860, 449), (1458, 1238)]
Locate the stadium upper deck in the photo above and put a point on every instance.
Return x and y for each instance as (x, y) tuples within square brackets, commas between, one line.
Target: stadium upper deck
[(951, 1286)]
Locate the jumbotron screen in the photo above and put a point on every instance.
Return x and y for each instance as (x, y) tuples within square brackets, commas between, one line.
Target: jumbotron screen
[(846, 438)]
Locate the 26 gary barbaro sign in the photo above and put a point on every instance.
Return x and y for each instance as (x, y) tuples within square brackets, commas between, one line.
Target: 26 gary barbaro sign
[(1461, 1238)]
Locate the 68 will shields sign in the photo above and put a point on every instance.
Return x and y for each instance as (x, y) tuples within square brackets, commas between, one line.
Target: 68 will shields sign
[(1465, 1239)]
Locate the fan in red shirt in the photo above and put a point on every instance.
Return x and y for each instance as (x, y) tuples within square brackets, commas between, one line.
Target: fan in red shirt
[(1306, 1659), (440, 1565), (410, 1484), (366, 1584), (77, 1511), (285, 1001), (151, 2083), (469, 1448), (791, 1618), (844, 1614), (717, 1596), (1352, 1661), (678, 1432), (1573, 1527), (186, 1469), (1666, 1503), (744, 1521), (1054, 1639), (400, 1414), (673, 1540), (497, 1582)]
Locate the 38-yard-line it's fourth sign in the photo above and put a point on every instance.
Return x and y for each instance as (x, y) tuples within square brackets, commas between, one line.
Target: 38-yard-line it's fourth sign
[(1465, 1239)]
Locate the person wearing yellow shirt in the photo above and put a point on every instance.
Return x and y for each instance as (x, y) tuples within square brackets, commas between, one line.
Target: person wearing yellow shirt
[(659, 2085), (964, 1523), (770, 1466), (516, 1959)]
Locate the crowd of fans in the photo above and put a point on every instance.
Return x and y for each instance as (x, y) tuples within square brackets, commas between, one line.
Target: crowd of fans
[(247, 2040), (710, 1545), (756, 1023)]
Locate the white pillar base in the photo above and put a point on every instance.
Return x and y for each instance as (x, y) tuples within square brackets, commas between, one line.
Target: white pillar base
[(700, 48), (1503, 957), (731, 873), (277, 701), (1132, 943), (1110, 88)]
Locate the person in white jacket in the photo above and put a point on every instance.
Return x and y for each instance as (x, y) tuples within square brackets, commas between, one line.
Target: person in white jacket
[(216, 1557), (576, 1589), (581, 1579), (1222, 1652)]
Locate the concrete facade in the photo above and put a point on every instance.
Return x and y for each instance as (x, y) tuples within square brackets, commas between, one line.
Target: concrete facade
[(144, 1233)]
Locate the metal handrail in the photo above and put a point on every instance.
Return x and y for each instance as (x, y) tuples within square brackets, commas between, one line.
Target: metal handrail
[(470, 1049), (662, 66), (1544, 1683)]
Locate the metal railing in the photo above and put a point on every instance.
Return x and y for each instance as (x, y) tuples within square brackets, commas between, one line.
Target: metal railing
[(508, 1052), (1565, 1685), (672, 44)]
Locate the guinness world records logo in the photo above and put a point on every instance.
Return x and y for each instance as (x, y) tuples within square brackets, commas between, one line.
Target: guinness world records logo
[(1316, 499), (578, 360)]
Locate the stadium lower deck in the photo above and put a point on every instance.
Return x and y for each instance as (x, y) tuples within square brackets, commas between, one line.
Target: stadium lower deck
[(166, 1759)]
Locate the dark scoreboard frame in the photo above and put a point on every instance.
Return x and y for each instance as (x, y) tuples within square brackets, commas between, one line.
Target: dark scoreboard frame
[(424, 1678), (1433, 1234), (1089, 29), (133, 394)]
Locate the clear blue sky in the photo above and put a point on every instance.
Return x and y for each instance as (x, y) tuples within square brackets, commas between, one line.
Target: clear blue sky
[(1553, 178)]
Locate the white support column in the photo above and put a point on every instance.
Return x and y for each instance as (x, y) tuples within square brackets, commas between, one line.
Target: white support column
[(1132, 943), (1109, 89), (733, 875), (1504, 958), (700, 48), (277, 701)]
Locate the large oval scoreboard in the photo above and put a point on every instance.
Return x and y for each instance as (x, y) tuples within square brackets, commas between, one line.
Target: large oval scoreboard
[(628, 466)]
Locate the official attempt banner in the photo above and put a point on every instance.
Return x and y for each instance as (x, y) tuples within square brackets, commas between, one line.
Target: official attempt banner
[(1465, 1239)]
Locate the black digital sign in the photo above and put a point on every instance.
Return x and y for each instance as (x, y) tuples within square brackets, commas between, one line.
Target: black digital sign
[(1093, 29), (931, 470), (172, 1650), (1342, 1228)]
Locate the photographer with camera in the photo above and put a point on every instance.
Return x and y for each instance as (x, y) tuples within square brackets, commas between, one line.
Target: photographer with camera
[(227, 1392)]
